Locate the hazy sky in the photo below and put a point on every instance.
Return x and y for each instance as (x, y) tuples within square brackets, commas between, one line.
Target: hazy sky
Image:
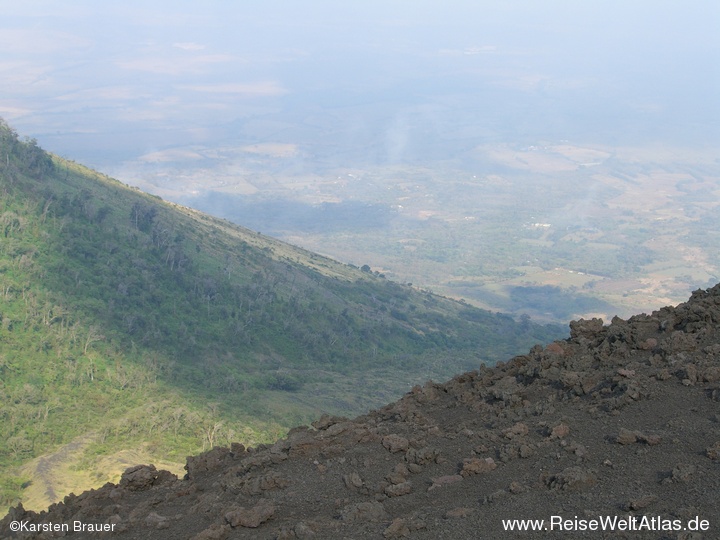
[(105, 82)]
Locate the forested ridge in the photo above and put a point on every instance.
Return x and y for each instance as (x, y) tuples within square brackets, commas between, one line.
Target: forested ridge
[(135, 322)]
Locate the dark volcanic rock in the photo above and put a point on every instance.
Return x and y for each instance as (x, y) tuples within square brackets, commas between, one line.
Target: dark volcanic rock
[(251, 517), (616, 419)]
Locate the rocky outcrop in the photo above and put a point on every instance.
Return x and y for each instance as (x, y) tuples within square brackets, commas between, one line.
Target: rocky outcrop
[(617, 419)]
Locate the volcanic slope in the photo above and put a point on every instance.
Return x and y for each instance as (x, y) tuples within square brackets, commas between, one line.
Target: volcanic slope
[(128, 323), (616, 426)]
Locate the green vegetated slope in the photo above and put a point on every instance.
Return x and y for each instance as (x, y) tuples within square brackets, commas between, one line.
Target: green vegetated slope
[(127, 322)]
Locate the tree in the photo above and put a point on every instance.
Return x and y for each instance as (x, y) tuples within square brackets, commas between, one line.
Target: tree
[(210, 435), (142, 216), (93, 335)]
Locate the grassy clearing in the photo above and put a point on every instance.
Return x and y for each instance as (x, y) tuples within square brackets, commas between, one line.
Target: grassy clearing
[(69, 470)]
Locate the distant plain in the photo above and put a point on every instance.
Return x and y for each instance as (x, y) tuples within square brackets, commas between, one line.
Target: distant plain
[(556, 230)]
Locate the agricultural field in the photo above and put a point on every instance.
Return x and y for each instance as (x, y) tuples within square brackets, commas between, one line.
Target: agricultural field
[(554, 231)]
